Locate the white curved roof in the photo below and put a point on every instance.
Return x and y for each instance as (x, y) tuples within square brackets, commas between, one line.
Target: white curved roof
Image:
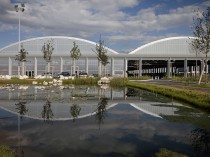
[(62, 46), (168, 47)]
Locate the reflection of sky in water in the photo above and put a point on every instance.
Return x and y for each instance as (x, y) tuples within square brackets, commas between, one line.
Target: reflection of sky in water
[(124, 131)]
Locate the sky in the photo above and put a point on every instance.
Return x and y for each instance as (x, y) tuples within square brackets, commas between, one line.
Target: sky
[(123, 25)]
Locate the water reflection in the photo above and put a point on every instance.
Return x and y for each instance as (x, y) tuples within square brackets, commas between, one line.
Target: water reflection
[(134, 122), (201, 142), (47, 113), (21, 108), (54, 103), (75, 111), (101, 110)]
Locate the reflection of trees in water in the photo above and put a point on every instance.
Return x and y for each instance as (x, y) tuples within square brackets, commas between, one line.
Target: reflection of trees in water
[(200, 139), (101, 110), (21, 107), (75, 111), (47, 113)]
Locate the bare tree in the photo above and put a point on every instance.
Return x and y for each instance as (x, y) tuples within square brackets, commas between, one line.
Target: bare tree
[(47, 50), (102, 56), (201, 42), (21, 57), (75, 55)]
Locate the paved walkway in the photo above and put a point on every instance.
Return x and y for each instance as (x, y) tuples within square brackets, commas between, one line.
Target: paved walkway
[(183, 85)]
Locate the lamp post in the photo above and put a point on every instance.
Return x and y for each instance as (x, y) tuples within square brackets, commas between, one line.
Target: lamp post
[(19, 8)]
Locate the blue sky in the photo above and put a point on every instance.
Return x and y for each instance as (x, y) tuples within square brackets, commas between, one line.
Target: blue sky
[(123, 24)]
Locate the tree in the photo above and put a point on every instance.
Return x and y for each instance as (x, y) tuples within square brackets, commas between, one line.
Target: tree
[(75, 55), (47, 50), (102, 56), (201, 27), (21, 57), (195, 46)]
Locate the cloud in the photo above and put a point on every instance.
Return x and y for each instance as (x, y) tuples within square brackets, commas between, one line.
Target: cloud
[(86, 18)]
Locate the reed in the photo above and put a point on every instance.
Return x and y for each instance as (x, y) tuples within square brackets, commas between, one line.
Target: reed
[(82, 81), (15, 81), (118, 82)]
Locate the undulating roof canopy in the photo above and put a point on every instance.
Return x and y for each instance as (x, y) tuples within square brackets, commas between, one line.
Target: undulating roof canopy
[(62, 46), (168, 47)]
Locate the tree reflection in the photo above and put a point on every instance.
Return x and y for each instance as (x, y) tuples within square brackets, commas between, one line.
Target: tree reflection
[(101, 110), (47, 113), (75, 111), (21, 107), (201, 142)]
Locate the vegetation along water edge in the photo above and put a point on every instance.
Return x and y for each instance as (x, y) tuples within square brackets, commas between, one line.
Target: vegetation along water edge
[(194, 98)]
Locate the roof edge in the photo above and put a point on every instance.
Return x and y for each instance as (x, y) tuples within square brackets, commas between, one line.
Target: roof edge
[(56, 37), (158, 41)]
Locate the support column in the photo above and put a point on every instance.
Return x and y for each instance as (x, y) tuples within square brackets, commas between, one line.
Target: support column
[(86, 65), (35, 67), (207, 69), (61, 65), (10, 67), (168, 70), (99, 68), (140, 67), (201, 67), (185, 68), (125, 67), (112, 67)]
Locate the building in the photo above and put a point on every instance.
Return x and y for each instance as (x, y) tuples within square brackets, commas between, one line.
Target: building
[(169, 56)]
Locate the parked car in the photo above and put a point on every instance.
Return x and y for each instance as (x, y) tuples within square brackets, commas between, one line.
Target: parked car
[(64, 74), (83, 74)]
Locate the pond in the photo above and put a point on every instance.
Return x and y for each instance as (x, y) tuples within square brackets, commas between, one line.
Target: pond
[(52, 121)]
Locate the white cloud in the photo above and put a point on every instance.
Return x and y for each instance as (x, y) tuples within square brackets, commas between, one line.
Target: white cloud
[(85, 18)]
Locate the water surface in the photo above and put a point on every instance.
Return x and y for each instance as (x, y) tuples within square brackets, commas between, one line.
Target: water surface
[(90, 121)]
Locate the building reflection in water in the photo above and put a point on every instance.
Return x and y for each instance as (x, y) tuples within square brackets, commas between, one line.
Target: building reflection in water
[(54, 103), (72, 103)]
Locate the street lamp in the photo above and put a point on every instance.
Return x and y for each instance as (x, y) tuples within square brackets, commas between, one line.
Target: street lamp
[(19, 8)]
